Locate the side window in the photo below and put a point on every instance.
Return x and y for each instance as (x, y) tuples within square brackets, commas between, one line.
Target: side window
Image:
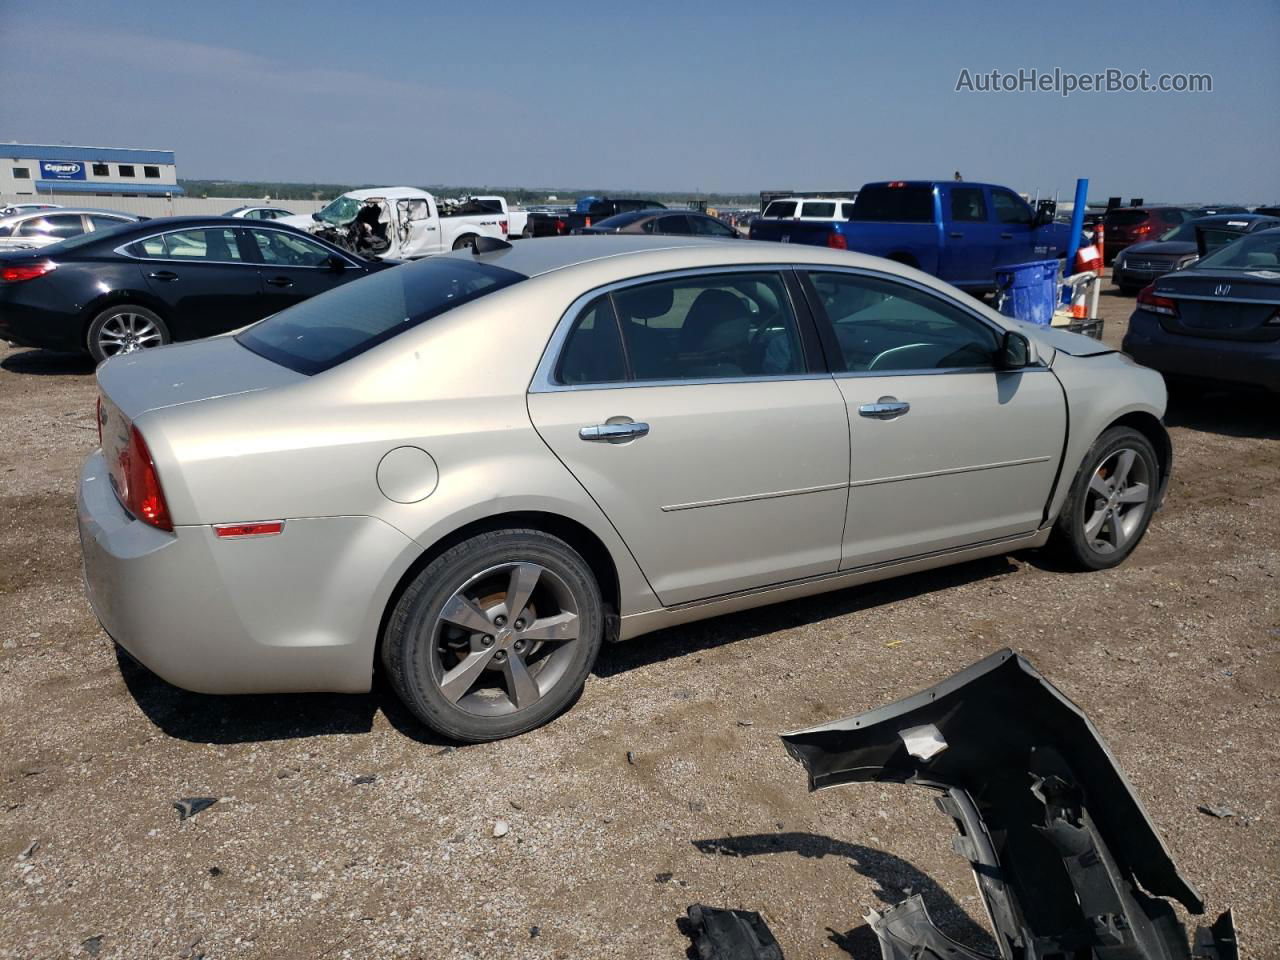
[(105, 223), (710, 227), (593, 350), (678, 224), (887, 326), (968, 205), (219, 245), (285, 250), (846, 211), (721, 326), (1009, 207), (150, 247), (59, 226), (417, 210)]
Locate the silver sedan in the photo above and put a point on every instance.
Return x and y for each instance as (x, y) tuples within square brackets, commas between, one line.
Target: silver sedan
[(477, 468)]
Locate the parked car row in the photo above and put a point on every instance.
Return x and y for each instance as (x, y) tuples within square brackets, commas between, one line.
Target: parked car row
[(1140, 263), (41, 227)]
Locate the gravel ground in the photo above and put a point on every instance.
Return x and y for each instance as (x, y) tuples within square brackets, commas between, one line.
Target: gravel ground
[(1175, 656)]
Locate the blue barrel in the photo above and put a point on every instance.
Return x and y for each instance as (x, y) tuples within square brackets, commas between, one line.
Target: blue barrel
[(1028, 291)]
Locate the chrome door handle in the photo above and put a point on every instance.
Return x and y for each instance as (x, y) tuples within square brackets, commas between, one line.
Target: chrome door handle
[(886, 408), (614, 432)]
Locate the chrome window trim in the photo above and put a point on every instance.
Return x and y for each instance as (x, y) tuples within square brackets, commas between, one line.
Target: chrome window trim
[(1172, 295), (123, 251), (544, 375), (997, 328)]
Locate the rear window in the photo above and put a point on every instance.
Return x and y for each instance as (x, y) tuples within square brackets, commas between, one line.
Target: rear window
[(781, 208), (1125, 218), (894, 204), (824, 210), (622, 219), (327, 330)]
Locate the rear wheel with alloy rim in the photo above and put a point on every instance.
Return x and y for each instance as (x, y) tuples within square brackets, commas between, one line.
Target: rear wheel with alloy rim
[(1111, 500), (495, 636), (125, 328)]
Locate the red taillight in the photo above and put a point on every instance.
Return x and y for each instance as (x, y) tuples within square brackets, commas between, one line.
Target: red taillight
[(560, 225), (836, 241), (142, 495), (26, 271), (503, 225), (1147, 300), (588, 222), (264, 528), (1142, 229)]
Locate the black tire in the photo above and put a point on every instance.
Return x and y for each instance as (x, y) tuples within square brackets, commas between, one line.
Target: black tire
[(465, 242), (1121, 532), (101, 344), (419, 648)]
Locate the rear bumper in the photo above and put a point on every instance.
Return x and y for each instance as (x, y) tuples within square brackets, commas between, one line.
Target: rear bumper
[(26, 326), (298, 612), (1242, 363)]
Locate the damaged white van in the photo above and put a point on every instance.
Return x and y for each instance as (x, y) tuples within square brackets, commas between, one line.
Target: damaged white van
[(402, 223)]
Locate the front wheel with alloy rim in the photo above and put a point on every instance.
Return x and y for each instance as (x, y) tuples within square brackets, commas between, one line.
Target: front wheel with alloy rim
[(495, 636), (1110, 502), (125, 328)]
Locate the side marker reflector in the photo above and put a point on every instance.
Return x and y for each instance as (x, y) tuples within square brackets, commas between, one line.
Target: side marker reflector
[(234, 530)]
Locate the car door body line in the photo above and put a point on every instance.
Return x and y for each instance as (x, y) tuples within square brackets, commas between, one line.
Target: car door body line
[(950, 471), (1048, 518), (747, 498)]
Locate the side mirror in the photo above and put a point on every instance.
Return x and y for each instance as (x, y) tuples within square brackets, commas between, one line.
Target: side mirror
[(315, 217), (1014, 352), (336, 263)]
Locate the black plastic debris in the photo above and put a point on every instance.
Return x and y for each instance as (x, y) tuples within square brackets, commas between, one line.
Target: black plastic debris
[(1212, 810), (188, 807), (729, 934), (363, 779), (92, 946), (1064, 855)]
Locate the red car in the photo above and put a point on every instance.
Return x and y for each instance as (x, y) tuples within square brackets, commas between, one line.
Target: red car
[(1126, 225)]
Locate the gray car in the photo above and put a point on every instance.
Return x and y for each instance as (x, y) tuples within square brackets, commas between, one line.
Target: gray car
[(478, 468), (32, 229)]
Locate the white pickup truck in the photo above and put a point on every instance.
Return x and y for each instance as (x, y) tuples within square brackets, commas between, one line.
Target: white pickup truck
[(402, 223)]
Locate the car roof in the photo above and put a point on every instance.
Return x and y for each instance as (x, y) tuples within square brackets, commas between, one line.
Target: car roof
[(805, 198), (389, 192), (1236, 217), (49, 212), (542, 255)]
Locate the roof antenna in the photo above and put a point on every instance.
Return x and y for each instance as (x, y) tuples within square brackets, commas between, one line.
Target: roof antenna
[(488, 245)]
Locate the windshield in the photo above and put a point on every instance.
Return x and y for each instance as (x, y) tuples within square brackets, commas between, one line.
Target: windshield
[(327, 330), (340, 210), (1259, 251), (894, 204)]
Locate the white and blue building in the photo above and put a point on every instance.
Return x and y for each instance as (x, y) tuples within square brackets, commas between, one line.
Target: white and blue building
[(55, 170)]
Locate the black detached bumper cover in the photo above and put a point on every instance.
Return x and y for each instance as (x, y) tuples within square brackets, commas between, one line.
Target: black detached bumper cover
[(1066, 859)]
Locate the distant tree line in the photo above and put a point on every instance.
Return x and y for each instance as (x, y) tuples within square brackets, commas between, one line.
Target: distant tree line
[(520, 195)]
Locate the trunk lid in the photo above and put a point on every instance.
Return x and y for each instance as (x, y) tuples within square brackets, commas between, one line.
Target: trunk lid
[(133, 383), (1222, 305)]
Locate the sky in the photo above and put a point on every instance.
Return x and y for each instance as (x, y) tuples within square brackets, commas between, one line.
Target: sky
[(678, 96)]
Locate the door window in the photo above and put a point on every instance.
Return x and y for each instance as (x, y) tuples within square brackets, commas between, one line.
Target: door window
[(106, 223), (886, 326), (968, 205), (709, 327), (846, 211), (56, 225), (210, 245), (1009, 207), (673, 225), (285, 250), (593, 350), (710, 227)]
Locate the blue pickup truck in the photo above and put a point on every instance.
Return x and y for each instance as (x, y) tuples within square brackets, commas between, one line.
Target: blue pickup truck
[(960, 232)]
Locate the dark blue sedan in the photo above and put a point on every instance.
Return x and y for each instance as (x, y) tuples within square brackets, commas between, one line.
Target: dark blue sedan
[(1217, 321), (150, 283)]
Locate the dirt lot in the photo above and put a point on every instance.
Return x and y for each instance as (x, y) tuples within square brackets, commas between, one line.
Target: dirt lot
[(1175, 656)]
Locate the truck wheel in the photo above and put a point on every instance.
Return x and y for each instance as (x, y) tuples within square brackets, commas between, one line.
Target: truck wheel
[(495, 636), (1110, 502), (465, 242)]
